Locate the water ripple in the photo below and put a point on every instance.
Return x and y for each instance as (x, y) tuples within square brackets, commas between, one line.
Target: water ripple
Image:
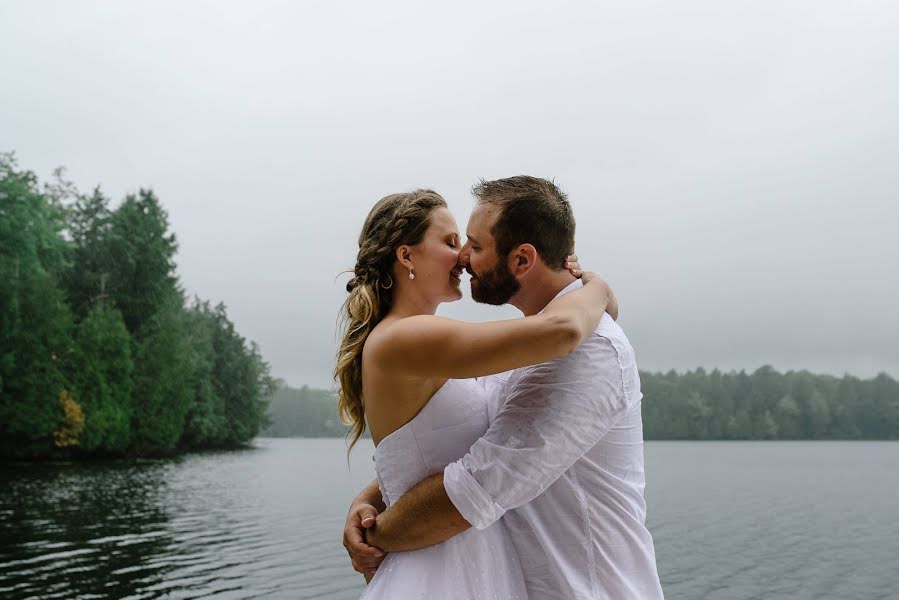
[(731, 521)]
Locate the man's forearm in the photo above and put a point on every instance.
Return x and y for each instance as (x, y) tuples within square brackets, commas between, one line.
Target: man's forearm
[(371, 494), (424, 516)]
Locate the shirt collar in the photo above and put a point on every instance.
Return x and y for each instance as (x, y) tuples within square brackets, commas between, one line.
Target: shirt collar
[(577, 283)]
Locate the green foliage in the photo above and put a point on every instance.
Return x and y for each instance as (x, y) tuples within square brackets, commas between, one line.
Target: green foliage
[(161, 394), (91, 312), (206, 421), (138, 260), (35, 323), (693, 406), (768, 405), (89, 253), (244, 380), (103, 378), (232, 383)]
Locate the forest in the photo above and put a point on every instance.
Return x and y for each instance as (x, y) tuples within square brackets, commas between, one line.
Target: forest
[(696, 405), (101, 353)]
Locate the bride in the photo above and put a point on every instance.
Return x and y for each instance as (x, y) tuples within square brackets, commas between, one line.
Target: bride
[(410, 375)]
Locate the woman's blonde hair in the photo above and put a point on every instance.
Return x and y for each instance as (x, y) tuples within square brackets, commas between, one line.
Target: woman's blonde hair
[(396, 220)]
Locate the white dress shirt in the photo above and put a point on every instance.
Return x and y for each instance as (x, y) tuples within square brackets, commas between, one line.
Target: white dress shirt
[(562, 464)]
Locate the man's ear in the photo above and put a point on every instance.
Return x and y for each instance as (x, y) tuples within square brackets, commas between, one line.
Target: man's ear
[(404, 257), (522, 259)]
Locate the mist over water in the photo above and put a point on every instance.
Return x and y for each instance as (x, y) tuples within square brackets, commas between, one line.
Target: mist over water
[(731, 521)]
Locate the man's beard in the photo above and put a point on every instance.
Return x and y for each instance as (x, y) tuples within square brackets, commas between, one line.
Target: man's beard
[(494, 287)]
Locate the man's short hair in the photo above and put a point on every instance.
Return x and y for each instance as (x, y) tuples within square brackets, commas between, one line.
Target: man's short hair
[(532, 211)]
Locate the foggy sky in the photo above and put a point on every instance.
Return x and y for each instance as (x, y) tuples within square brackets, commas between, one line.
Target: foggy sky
[(733, 166)]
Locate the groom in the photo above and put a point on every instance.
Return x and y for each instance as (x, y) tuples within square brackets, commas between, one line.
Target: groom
[(562, 460)]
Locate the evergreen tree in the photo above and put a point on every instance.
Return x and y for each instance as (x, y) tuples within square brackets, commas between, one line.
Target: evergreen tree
[(206, 423), (142, 278), (90, 256), (35, 322), (102, 379), (242, 379), (161, 392)]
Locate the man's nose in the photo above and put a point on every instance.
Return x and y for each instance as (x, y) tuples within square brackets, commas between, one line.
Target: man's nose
[(465, 254)]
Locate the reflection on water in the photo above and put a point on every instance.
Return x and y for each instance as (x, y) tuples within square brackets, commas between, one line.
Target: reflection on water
[(69, 529), (730, 520), (261, 522)]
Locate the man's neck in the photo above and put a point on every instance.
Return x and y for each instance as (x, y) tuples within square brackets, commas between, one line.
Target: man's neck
[(540, 290)]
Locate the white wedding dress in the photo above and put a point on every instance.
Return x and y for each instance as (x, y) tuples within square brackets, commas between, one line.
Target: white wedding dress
[(472, 565)]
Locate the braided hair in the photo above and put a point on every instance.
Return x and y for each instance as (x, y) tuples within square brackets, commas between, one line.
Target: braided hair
[(396, 220)]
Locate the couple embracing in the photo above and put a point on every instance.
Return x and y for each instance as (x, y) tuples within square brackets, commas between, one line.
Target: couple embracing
[(509, 455)]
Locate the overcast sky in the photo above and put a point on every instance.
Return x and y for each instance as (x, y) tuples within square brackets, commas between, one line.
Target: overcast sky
[(733, 166)]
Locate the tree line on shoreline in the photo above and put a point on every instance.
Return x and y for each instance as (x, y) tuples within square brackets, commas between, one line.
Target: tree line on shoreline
[(696, 405), (101, 354), (100, 351)]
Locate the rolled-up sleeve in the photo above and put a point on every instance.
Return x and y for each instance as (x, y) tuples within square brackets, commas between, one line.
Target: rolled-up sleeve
[(555, 412)]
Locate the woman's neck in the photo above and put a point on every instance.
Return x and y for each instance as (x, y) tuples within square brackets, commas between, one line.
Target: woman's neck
[(408, 304)]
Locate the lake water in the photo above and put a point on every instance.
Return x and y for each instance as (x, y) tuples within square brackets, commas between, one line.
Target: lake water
[(731, 520)]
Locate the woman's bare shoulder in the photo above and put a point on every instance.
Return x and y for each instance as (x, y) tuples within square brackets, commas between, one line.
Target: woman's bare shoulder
[(390, 335)]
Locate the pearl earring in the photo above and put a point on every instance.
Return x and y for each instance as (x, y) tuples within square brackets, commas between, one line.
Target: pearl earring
[(411, 274)]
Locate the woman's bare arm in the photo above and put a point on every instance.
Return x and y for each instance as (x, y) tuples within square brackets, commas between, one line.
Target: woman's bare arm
[(430, 346)]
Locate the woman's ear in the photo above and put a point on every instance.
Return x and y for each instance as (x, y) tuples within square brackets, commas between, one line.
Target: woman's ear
[(404, 257)]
